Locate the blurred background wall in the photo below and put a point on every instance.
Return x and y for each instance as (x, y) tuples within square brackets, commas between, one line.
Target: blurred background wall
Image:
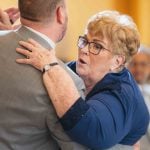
[(81, 10)]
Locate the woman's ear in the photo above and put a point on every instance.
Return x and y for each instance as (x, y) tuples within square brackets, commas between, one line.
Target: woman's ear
[(117, 62)]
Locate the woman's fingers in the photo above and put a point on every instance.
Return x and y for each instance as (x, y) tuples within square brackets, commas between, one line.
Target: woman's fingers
[(32, 58), (23, 61), (4, 27), (37, 56), (24, 52), (12, 10), (27, 45), (13, 14), (34, 43), (15, 17), (31, 45), (4, 19)]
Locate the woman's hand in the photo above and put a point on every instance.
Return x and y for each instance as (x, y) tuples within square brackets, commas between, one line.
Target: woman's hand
[(13, 14), (8, 17), (36, 55), (5, 23)]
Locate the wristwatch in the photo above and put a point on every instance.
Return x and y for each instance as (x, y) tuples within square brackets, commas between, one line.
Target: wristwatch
[(48, 66)]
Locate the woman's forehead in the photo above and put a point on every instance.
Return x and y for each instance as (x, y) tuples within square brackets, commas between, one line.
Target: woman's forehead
[(97, 38)]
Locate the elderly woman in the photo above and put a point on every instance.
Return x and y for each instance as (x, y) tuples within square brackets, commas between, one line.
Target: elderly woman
[(113, 111)]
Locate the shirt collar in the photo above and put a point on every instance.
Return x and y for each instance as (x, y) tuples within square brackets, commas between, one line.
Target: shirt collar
[(52, 44), (4, 32)]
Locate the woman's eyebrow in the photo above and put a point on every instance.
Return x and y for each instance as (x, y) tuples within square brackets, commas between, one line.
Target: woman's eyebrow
[(96, 40)]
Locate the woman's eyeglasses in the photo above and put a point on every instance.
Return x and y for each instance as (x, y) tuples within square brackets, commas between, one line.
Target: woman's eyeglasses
[(93, 47)]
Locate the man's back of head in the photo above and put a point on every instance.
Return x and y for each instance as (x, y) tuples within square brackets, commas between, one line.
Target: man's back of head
[(39, 10), (43, 15)]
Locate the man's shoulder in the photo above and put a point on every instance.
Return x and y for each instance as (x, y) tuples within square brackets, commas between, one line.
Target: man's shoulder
[(27, 33), (4, 32), (7, 33), (9, 39)]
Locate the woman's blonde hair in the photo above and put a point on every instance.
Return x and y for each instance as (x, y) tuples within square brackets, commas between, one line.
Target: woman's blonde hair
[(119, 29)]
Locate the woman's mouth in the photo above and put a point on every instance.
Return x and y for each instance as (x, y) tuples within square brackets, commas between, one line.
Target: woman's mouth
[(82, 61)]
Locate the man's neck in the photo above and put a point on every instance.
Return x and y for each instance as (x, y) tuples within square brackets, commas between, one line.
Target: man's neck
[(43, 36), (46, 29)]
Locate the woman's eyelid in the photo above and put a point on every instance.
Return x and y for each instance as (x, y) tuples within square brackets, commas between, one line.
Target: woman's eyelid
[(100, 46), (95, 42)]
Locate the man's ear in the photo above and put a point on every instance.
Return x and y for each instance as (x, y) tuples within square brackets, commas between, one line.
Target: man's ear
[(118, 61), (60, 14)]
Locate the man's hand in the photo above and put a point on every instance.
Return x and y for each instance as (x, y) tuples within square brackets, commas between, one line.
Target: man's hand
[(8, 18)]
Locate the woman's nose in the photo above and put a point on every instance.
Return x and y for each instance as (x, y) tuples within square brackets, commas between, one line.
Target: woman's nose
[(85, 50)]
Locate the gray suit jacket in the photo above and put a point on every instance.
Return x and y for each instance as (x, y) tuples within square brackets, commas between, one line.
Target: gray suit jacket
[(27, 119)]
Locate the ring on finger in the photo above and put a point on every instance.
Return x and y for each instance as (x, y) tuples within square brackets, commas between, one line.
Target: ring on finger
[(28, 57), (28, 54)]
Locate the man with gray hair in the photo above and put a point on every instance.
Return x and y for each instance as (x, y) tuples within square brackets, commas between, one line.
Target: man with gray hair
[(139, 67)]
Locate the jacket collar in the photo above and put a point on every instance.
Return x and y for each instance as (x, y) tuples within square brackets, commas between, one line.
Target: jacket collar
[(25, 33)]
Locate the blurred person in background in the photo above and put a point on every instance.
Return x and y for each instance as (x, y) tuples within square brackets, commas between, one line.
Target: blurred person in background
[(140, 68), (114, 111)]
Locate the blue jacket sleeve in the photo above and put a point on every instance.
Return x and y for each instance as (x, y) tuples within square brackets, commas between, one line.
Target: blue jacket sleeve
[(98, 123)]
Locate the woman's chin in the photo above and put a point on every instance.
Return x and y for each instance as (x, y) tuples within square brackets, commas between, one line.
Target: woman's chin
[(81, 72)]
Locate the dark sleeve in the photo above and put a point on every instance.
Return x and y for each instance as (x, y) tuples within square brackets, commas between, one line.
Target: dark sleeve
[(72, 65), (97, 123)]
